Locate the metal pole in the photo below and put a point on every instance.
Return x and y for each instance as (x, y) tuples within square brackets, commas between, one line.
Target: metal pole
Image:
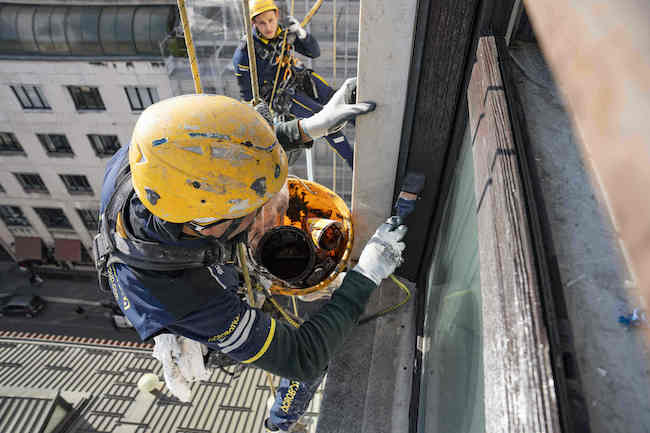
[(251, 54), (190, 46)]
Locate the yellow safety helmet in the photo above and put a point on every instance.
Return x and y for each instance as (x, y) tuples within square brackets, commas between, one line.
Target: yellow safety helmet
[(197, 157), (260, 6)]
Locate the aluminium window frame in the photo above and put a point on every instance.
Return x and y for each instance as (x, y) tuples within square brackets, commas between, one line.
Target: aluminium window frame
[(44, 105)]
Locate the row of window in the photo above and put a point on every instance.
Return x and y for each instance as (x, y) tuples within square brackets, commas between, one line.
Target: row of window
[(84, 97), (32, 182), (52, 217), (58, 144)]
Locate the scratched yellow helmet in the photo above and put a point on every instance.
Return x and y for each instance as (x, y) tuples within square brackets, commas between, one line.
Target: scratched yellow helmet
[(196, 157), (260, 6)]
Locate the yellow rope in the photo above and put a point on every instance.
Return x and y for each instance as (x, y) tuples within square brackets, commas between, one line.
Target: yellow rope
[(241, 252), (393, 307), (189, 44), (295, 305), (252, 62), (334, 84)]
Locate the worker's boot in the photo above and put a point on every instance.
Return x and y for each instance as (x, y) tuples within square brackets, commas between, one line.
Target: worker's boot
[(302, 426)]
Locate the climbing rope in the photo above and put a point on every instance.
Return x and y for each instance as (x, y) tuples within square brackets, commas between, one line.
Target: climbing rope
[(391, 308)]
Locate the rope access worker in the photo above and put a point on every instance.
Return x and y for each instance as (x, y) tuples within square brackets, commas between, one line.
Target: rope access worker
[(174, 204), (298, 91)]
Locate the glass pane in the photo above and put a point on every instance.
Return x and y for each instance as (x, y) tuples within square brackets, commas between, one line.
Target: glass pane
[(451, 392), (24, 29), (153, 93), (8, 33), (33, 96), (89, 30), (107, 29), (123, 31), (159, 27), (73, 30), (42, 28), (133, 98), (57, 29), (141, 30), (22, 96)]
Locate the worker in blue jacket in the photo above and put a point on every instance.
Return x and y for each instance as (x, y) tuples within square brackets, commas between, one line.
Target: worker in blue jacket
[(174, 204), (298, 90)]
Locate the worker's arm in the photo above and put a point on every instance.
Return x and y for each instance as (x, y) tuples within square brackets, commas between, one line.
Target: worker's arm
[(242, 72), (298, 134), (251, 336), (305, 43)]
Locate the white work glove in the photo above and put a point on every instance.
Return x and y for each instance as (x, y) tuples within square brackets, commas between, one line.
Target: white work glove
[(295, 28), (338, 110), (383, 252), (182, 361)]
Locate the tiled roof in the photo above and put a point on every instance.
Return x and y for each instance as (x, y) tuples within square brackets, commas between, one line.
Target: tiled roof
[(220, 404)]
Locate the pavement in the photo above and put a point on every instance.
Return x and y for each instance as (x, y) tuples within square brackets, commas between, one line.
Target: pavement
[(75, 307)]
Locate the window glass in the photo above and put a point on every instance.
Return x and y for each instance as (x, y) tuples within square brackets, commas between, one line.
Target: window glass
[(73, 30), (25, 30), (451, 391), (89, 30), (42, 32), (134, 99), (22, 96), (123, 31), (34, 96), (8, 33), (53, 218), (57, 29), (107, 29), (141, 30), (159, 26)]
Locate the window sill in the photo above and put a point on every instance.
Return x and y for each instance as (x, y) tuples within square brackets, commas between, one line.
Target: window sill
[(81, 193), (38, 110), (90, 110), (60, 155), (12, 153)]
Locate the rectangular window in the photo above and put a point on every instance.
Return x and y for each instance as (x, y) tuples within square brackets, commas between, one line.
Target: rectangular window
[(13, 216), (86, 98), (31, 182), (90, 218), (30, 97), (9, 143), (55, 144), (76, 183), (141, 97), (104, 145), (53, 218), (451, 382)]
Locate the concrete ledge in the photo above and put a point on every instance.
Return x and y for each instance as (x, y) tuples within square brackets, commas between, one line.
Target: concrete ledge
[(368, 387)]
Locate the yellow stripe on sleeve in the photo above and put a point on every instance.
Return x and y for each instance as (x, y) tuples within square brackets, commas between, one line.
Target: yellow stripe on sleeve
[(243, 68), (264, 348)]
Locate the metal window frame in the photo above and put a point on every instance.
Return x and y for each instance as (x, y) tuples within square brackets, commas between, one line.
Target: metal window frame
[(100, 146), (10, 139), (89, 217), (12, 215), (37, 89), (76, 183), (29, 186), (138, 90), (44, 214), (81, 97), (48, 143)]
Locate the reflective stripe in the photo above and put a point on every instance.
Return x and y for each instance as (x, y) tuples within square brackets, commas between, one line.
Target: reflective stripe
[(243, 68), (303, 106), (211, 270), (267, 343), (238, 330), (320, 78), (244, 335)]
